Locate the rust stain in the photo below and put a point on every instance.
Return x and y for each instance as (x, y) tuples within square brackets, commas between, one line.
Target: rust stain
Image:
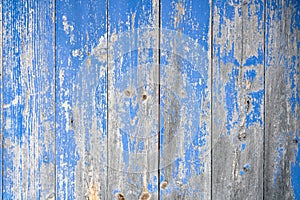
[(92, 193)]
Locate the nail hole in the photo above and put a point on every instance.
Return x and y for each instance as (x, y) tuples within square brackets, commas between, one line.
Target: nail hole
[(246, 167), (248, 104), (144, 97), (163, 184), (295, 141), (242, 136), (127, 93), (183, 94), (120, 196)]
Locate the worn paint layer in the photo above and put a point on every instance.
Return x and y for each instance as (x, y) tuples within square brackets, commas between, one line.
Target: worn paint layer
[(133, 99), (80, 100), (185, 100), (28, 100), (238, 100), (282, 128), (149, 99)]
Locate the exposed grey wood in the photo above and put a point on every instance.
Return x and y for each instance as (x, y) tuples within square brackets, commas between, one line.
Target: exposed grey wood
[(282, 97), (89, 123), (185, 113), (132, 99), (238, 100), (140, 111)]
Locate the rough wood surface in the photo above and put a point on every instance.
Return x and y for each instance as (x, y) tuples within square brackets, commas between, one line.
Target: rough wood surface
[(282, 129), (132, 99), (150, 99), (1, 99), (185, 114), (81, 100), (238, 100), (28, 100)]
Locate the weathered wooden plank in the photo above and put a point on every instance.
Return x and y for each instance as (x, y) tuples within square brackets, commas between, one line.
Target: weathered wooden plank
[(28, 99), (238, 99), (132, 99), (185, 113), (1, 100), (81, 100), (282, 129)]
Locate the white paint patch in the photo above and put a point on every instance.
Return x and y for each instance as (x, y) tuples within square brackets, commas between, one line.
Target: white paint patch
[(77, 53), (67, 27)]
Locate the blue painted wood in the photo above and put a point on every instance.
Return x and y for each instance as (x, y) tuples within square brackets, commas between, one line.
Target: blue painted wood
[(185, 89), (28, 100), (282, 166), (238, 99), (112, 99), (81, 100), (1, 99), (133, 99)]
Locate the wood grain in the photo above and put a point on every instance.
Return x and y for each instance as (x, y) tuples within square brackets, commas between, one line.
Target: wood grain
[(28, 100), (132, 99), (238, 100), (282, 129), (185, 113), (1, 100), (81, 100), (150, 99)]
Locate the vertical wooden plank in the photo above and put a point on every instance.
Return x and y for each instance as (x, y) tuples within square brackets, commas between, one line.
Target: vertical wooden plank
[(1, 101), (133, 99), (238, 99), (185, 114), (282, 163), (28, 80), (81, 100)]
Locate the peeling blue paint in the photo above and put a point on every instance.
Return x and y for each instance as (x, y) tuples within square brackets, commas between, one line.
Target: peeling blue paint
[(125, 141), (277, 169), (230, 11), (250, 75), (295, 170), (255, 60), (89, 22), (243, 146), (229, 57), (231, 100), (83, 37), (255, 114), (294, 85), (247, 166)]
